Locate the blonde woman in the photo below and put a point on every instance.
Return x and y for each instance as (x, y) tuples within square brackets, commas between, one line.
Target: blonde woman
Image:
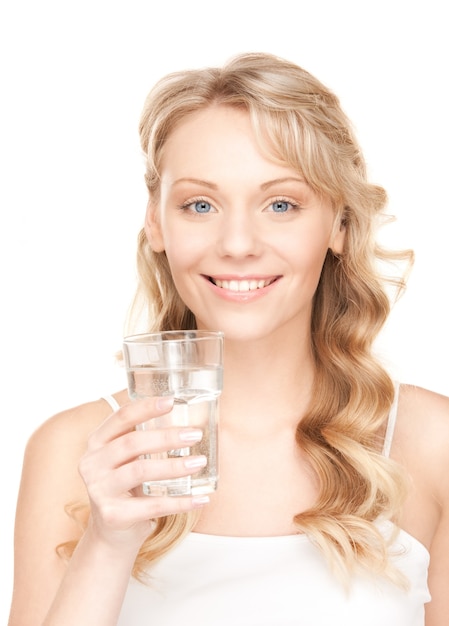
[(333, 503)]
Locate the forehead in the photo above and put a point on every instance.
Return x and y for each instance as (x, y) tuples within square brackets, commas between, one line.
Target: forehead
[(218, 137), (212, 122)]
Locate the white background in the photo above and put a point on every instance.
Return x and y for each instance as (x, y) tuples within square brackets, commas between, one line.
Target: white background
[(72, 198)]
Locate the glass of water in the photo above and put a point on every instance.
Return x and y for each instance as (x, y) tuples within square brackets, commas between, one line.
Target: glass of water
[(187, 365)]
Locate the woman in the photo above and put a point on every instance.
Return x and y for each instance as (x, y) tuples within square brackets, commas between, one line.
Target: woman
[(332, 492)]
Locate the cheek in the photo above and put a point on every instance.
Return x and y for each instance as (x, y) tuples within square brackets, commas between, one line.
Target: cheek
[(185, 246), (183, 255), (307, 253), (178, 260)]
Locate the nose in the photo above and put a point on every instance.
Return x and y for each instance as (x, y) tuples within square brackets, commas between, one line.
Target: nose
[(239, 235)]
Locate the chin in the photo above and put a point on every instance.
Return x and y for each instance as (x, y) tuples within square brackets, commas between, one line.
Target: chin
[(246, 334), (257, 328)]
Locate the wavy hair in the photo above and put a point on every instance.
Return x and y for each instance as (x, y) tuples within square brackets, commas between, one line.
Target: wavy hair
[(300, 123)]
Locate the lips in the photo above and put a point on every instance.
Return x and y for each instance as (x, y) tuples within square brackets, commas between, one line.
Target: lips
[(243, 285)]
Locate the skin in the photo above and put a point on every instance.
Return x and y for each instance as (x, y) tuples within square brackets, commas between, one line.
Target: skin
[(267, 390), (241, 236)]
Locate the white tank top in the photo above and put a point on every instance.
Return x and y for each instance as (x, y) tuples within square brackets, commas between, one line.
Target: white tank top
[(211, 580)]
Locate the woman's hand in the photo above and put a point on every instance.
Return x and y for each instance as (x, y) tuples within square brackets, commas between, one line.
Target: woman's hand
[(113, 469)]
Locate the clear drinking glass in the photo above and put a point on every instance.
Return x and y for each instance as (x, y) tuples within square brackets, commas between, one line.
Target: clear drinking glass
[(187, 365)]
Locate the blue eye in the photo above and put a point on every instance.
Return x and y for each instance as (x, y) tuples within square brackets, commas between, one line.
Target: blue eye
[(201, 206), (280, 206), (197, 206)]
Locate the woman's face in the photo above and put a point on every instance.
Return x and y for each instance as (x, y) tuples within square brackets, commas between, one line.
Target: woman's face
[(245, 237)]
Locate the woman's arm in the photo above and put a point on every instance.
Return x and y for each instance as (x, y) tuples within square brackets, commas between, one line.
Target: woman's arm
[(437, 414), (437, 611), (89, 590), (421, 443)]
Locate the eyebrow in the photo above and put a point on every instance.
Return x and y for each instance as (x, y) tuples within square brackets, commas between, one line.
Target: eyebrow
[(287, 179), (264, 186), (197, 181)]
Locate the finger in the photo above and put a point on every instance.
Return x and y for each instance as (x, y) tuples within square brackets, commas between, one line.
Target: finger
[(127, 418), (136, 443), (133, 474), (123, 513), (98, 462), (144, 470)]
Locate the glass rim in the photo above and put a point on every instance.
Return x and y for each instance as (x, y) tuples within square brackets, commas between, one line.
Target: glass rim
[(158, 336)]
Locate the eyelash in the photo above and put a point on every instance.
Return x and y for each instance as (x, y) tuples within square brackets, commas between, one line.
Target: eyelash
[(294, 205), (185, 205)]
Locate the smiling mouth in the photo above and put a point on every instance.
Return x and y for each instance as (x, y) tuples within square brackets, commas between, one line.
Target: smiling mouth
[(244, 285)]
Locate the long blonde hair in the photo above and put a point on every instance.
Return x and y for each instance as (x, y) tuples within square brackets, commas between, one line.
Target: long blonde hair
[(300, 123)]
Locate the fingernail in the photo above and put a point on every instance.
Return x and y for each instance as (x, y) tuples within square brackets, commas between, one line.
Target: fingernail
[(164, 403), (195, 461), (199, 501), (191, 435)]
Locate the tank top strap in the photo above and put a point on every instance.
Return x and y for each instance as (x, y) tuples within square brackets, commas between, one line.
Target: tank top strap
[(112, 402), (389, 433)]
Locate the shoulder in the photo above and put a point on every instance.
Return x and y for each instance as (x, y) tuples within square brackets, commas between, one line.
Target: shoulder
[(421, 440), (50, 478), (78, 420), (72, 425), (51, 502), (421, 445), (60, 441), (423, 413), (417, 399)]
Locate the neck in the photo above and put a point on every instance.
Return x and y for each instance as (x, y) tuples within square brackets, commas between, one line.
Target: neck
[(266, 384)]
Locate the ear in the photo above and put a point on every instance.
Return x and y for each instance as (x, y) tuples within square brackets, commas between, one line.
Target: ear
[(153, 229), (337, 241)]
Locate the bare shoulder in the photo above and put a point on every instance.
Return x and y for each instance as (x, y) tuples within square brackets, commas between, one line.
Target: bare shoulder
[(421, 399), (421, 444), (54, 449), (72, 426), (423, 417), (421, 440), (50, 482), (50, 466)]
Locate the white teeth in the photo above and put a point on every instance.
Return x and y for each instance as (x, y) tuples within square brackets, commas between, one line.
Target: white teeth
[(242, 285)]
